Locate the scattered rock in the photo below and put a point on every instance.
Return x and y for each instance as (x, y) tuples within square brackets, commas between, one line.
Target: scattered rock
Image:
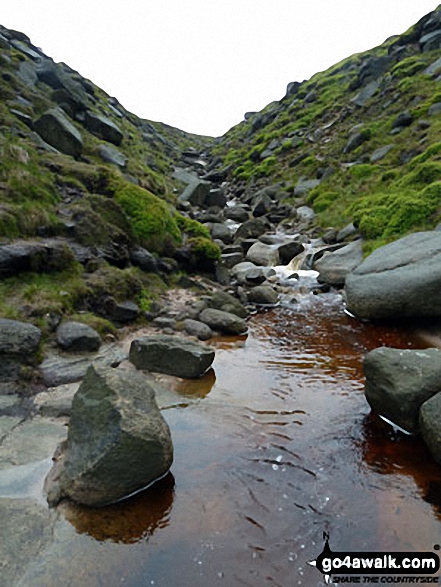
[(118, 442), (263, 294), (113, 156), (18, 338), (54, 128), (103, 128), (429, 424), (380, 153), (196, 193), (261, 254), (75, 336), (144, 260), (398, 382), (227, 303), (223, 321), (287, 251), (172, 355), (198, 329)]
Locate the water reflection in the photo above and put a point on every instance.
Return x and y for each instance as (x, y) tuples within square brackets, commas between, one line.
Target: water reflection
[(129, 521)]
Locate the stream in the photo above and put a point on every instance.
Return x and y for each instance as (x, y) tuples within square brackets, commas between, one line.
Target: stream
[(279, 447)]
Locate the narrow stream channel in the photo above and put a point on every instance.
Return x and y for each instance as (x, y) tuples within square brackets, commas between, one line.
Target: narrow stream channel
[(278, 449)]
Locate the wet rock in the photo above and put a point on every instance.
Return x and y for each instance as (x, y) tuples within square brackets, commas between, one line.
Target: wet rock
[(263, 294), (287, 251), (398, 382), (172, 355), (103, 128), (237, 213), (229, 260), (334, 267), (429, 425), (261, 254), (216, 197), (247, 273), (75, 336), (54, 128), (198, 329), (117, 442), (221, 231), (227, 303), (223, 321), (400, 279)]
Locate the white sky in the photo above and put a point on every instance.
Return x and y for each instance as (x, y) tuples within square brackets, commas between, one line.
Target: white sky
[(201, 64)]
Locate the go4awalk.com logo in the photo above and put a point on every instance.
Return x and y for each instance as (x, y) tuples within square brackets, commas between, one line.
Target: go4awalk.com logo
[(377, 567)]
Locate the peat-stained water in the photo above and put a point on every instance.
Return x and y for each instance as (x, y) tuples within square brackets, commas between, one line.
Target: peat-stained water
[(279, 447)]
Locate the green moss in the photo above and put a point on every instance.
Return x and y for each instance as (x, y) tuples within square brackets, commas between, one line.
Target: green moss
[(152, 220), (101, 325), (204, 248), (424, 174), (362, 171), (191, 227), (408, 67), (324, 200)]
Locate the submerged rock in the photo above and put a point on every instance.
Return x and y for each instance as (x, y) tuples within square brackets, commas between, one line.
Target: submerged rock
[(172, 355), (117, 444), (398, 382)]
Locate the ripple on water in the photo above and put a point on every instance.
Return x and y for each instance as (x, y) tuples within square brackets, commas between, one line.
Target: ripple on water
[(279, 448)]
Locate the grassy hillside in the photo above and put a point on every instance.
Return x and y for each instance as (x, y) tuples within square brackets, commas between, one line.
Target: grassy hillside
[(367, 132)]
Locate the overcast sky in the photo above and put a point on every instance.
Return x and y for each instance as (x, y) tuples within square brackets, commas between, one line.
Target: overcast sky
[(201, 64)]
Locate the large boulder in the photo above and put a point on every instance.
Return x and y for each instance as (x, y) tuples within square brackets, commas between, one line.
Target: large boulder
[(196, 193), (398, 382), (252, 228), (224, 322), (262, 254), (117, 444), (172, 355), (401, 279), (429, 423), (45, 256), (75, 336), (103, 128), (333, 267), (263, 294), (54, 128)]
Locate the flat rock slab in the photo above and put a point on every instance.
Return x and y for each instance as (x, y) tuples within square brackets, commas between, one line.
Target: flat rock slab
[(31, 441), (171, 355), (401, 279), (398, 382), (61, 369)]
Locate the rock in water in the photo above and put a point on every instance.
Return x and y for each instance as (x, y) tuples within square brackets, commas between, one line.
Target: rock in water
[(117, 444), (223, 321), (399, 381), (172, 355), (334, 267), (430, 418), (401, 279)]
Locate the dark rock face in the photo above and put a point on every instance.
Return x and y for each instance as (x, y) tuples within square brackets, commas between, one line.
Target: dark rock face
[(122, 312), (287, 251), (57, 131), (103, 128), (400, 279), (262, 254), (196, 193), (223, 321), (144, 259), (171, 355), (398, 382), (334, 267), (46, 256), (429, 424), (118, 441), (75, 336), (252, 228)]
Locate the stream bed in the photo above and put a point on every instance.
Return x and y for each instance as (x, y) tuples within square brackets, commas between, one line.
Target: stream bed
[(279, 447)]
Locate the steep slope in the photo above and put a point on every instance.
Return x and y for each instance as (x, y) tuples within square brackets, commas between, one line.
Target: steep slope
[(86, 193), (359, 142)]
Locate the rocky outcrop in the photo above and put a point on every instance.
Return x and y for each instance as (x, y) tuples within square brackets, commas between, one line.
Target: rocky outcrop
[(103, 128), (18, 338), (401, 279), (398, 382), (172, 355), (333, 267), (117, 444), (75, 336), (58, 132)]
